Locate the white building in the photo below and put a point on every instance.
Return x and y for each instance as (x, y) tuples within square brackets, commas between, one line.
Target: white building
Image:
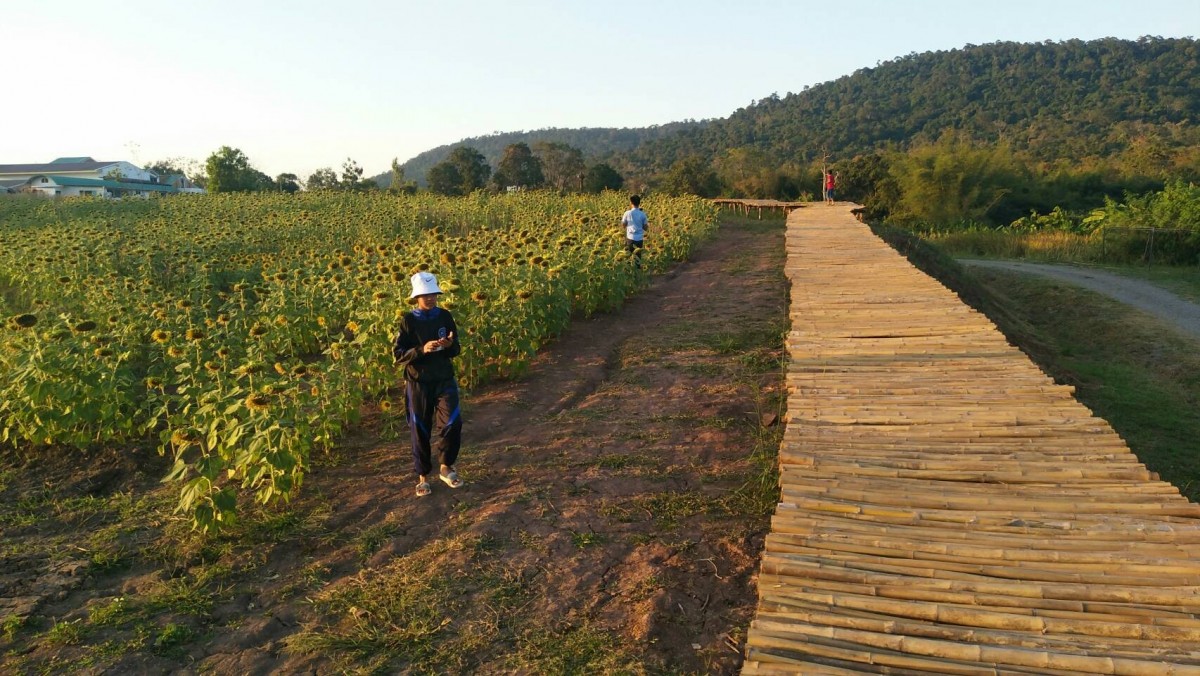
[(76, 176)]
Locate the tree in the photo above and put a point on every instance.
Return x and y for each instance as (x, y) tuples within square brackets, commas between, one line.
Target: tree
[(472, 167), (322, 179), (351, 175), (229, 170), (399, 184), (184, 166), (691, 176), (165, 168), (518, 168), (562, 164), (289, 183), (601, 177), (954, 181), (445, 179)]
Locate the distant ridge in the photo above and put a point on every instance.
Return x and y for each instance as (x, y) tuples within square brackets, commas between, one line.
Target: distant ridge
[(1069, 100), (1056, 100), (593, 141)]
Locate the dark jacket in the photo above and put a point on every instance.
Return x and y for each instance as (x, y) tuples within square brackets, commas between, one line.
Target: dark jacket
[(417, 328)]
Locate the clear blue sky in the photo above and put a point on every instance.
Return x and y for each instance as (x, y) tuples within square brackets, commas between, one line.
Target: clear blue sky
[(303, 84)]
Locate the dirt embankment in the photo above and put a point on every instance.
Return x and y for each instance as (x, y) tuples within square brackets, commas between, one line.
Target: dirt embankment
[(616, 503)]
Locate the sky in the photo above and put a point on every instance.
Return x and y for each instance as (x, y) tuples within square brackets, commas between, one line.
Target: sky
[(303, 84)]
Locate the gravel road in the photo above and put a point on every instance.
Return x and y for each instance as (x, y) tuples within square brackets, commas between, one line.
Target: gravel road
[(1142, 295)]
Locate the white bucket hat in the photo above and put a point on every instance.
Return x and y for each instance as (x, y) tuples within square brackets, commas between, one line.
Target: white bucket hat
[(424, 283)]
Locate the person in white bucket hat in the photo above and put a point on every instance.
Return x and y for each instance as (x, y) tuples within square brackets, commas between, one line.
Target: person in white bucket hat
[(424, 346)]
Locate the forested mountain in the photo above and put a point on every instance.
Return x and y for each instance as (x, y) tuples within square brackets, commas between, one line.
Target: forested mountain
[(1070, 99), (593, 142), (1119, 115)]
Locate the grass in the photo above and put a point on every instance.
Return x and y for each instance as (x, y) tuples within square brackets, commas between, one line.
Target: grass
[(1182, 281)]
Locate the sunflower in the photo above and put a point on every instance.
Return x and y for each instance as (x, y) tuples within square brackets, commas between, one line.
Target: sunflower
[(281, 320), (154, 383), (102, 352), (194, 335), (183, 304), (258, 331), (381, 295), (280, 369), (160, 336), (524, 294), (248, 369), (24, 321), (175, 352), (223, 352), (185, 437), (479, 296), (212, 366), (222, 319), (84, 326), (258, 402)]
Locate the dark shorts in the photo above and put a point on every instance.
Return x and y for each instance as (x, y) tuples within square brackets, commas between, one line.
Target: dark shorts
[(829, 194), (633, 244)]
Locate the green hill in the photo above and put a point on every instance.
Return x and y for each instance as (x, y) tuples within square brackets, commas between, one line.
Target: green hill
[(1072, 99)]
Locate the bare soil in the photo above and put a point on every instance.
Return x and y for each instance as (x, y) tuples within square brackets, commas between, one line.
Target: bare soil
[(616, 503)]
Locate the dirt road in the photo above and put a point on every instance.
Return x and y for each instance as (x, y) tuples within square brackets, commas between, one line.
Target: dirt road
[(1144, 296)]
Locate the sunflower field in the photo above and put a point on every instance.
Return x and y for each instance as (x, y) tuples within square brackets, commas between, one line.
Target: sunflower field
[(240, 332)]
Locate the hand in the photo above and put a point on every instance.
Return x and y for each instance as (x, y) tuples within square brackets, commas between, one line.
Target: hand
[(439, 344)]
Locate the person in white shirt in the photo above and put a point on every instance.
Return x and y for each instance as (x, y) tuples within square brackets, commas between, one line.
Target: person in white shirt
[(635, 221)]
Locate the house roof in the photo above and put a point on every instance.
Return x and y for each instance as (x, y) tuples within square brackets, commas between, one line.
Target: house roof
[(55, 167), (101, 183), (71, 160)]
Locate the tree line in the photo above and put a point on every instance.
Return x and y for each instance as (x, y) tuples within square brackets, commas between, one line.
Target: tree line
[(550, 165)]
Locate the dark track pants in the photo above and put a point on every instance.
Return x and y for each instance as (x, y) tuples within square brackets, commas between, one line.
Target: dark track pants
[(429, 403)]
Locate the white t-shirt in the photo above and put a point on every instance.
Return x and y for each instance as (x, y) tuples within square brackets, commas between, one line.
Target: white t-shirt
[(634, 221)]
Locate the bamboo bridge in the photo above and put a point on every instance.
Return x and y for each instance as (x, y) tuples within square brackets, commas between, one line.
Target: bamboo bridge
[(946, 507)]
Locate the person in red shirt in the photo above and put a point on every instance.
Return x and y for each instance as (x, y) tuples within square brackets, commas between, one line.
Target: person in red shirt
[(830, 184)]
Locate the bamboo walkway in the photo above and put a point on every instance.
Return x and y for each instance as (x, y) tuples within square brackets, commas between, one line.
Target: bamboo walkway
[(947, 508)]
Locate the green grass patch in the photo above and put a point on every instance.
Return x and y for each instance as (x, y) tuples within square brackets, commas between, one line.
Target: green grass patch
[(65, 633), (1182, 281), (572, 650), (671, 507)]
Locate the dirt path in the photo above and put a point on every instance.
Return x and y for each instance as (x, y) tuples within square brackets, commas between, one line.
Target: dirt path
[(616, 504), (1183, 314)]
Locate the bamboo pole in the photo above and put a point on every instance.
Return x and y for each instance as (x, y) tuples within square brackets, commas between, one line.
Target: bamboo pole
[(945, 507)]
